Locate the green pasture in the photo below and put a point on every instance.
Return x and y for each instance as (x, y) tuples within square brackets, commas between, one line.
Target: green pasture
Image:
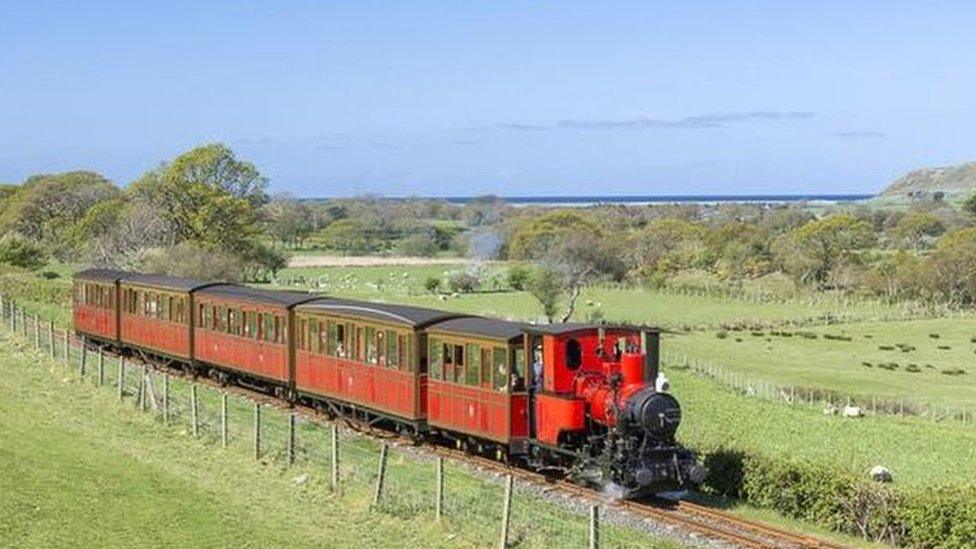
[(404, 284), (919, 452), (78, 467), (932, 361)]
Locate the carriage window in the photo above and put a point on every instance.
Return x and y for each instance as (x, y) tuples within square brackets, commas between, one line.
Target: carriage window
[(434, 353), (473, 367), (358, 344), (165, 304), (380, 348), (499, 369), (235, 322), (371, 345), (458, 351), (313, 326), (574, 354), (252, 325), (207, 321), (280, 335), (486, 367), (403, 348), (392, 350), (268, 327), (518, 369)]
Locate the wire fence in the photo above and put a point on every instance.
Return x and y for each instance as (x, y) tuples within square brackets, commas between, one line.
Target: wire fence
[(398, 480), (830, 401)]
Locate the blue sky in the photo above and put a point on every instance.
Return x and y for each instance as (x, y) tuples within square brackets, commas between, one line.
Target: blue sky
[(529, 98)]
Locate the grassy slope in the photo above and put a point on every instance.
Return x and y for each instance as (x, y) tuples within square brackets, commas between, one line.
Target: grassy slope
[(78, 468), (838, 365), (919, 452)]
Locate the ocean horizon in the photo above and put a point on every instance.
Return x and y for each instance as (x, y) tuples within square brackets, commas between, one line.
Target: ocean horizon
[(637, 199)]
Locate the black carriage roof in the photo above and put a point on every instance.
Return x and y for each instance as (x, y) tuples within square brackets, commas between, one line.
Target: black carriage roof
[(416, 317), (570, 327), (165, 282), (101, 275), (285, 299), (491, 328)]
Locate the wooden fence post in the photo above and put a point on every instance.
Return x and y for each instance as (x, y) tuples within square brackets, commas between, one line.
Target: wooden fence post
[(54, 349), (101, 367), (121, 380), (291, 438), (23, 321), (140, 391), (439, 490), (193, 410), (594, 527), (37, 331), (223, 419), (257, 430), (381, 475), (335, 457), (67, 348), (83, 356), (13, 318), (506, 513), (166, 398)]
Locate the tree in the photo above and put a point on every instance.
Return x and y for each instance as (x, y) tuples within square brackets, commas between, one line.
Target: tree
[(287, 220), (346, 235), (824, 244), (663, 246), (191, 260), (20, 252), (518, 276), (207, 196), (46, 208), (917, 227), (535, 239), (547, 286), (969, 206), (432, 284), (951, 268), (420, 244)]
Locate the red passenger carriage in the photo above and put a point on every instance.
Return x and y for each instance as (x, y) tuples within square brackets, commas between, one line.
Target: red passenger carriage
[(370, 355), (96, 294), (156, 314), (477, 382), (247, 330)]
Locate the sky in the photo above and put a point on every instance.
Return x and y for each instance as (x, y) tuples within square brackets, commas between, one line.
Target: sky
[(511, 98)]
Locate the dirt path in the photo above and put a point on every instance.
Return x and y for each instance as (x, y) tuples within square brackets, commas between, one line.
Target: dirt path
[(370, 261)]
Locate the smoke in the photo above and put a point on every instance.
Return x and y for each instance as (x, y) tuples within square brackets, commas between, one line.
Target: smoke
[(485, 243), (613, 491)]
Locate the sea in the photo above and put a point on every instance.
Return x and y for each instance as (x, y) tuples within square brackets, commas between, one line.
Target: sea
[(637, 200)]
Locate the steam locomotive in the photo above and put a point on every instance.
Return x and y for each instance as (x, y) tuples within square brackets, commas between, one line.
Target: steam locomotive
[(577, 399)]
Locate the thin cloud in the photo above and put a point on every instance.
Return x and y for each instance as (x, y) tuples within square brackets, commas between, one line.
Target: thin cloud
[(710, 120), (330, 147), (518, 126), (467, 142), (384, 146), (860, 135)]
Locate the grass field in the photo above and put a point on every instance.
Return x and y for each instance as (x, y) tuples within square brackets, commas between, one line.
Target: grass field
[(405, 284), (919, 452), (79, 468), (930, 361)]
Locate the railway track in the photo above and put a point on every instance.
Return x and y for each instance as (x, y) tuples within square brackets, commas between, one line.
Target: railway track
[(701, 520)]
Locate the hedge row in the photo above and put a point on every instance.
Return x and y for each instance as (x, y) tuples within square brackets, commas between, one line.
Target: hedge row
[(30, 287), (842, 501)]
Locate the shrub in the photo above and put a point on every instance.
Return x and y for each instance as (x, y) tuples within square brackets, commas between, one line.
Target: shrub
[(843, 501), (432, 284), (518, 276), (722, 335), (463, 282), (20, 252), (953, 371), (934, 336), (944, 347)]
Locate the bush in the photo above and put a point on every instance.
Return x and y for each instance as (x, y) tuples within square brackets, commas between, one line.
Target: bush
[(55, 291), (464, 282), (518, 276), (432, 284), (843, 501), (418, 245), (20, 252), (192, 261)]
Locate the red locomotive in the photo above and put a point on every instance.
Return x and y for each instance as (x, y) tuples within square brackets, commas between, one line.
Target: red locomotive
[(576, 398)]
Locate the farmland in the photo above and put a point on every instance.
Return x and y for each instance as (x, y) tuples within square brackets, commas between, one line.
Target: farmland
[(84, 469)]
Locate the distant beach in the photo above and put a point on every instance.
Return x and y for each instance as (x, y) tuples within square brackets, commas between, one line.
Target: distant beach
[(637, 200)]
